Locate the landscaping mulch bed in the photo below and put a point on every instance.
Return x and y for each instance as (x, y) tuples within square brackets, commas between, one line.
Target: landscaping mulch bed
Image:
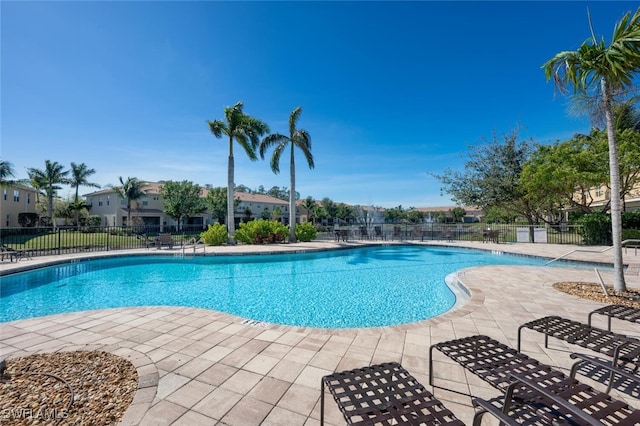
[(593, 291), (67, 388)]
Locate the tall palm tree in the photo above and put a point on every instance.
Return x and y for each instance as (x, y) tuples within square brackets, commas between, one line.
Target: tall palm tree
[(246, 130), (131, 190), (79, 174), (297, 138), (49, 180), (604, 69)]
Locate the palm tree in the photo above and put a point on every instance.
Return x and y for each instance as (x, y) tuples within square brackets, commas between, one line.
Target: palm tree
[(49, 180), (6, 171), (297, 138), (131, 190), (246, 130), (604, 69), (309, 205), (79, 174)]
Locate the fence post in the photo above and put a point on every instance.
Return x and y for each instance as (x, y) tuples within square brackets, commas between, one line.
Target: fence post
[(108, 233), (59, 241)]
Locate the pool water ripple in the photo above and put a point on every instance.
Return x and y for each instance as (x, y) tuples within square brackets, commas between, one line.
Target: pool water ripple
[(363, 287)]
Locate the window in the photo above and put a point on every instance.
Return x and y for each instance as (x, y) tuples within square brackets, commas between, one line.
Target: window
[(108, 199), (28, 198), (99, 202), (599, 191), (156, 198), (4, 194), (123, 202), (145, 203), (16, 195)]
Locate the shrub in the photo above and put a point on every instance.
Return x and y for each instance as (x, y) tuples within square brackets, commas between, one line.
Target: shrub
[(93, 222), (215, 235), (630, 234), (306, 232), (260, 231), (28, 220), (596, 229)]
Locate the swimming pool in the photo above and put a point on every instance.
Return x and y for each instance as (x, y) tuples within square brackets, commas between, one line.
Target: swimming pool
[(362, 287)]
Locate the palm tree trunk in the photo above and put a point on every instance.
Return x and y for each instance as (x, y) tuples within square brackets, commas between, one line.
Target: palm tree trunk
[(292, 198), (231, 223), (616, 205)]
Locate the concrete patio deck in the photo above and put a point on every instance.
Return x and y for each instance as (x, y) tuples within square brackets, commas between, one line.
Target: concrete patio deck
[(202, 367)]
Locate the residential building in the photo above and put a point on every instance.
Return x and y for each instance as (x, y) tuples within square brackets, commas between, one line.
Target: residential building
[(149, 211), (16, 199)]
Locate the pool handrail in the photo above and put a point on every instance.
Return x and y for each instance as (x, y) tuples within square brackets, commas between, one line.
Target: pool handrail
[(591, 251)]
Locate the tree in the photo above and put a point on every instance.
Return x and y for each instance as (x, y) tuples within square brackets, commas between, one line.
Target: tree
[(216, 202), (49, 180), (561, 174), (6, 171), (309, 205), (79, 177), (247, 131), (458, 214), (299, 138), (130, 190), (181, 200), (598, 68), (492, 178)]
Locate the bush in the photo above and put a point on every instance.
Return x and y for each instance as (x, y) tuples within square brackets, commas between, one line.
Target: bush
[(596, 229), (631, 220), (215, 235), (93, 222), (260, 231), (630, 234), (306, 232), (28, 220)]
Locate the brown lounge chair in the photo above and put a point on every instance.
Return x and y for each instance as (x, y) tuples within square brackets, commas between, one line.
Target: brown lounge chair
[(533, 392), (618, 346), (624, 313), (384, 394), (164, 240)]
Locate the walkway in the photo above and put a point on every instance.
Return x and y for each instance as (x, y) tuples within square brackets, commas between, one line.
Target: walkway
[(201, 367)]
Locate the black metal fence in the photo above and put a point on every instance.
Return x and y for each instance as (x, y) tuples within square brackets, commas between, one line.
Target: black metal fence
[(65, 240), (503, 233)]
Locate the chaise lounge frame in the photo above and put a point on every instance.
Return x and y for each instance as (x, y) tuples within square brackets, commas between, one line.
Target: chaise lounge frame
[(521, 379), (384, 394), (618, 346), (621, 312)]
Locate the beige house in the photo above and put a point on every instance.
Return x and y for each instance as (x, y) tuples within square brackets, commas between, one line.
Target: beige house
[(599, 196), (16, 199), (148, 210)]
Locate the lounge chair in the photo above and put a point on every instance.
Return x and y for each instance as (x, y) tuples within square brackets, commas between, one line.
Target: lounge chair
[(489, 236), (384, 394), (377, 232), (617, 346), (534, 392), (164, 240), (625, 313), (364, 235)]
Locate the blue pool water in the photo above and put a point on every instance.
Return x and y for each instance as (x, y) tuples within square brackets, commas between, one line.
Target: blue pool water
[(364, 287)]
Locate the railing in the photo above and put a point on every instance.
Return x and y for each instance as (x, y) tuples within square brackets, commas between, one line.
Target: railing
[(507, 233), (624, 243), (65, 240)]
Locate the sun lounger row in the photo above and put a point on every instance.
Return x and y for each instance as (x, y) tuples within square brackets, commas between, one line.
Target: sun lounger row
[(533, 392)]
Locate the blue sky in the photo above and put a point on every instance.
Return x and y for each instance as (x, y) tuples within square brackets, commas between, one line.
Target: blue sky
[(391, 91)]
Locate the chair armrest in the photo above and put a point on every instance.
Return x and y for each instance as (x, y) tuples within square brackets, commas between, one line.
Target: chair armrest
[(599, 362), (566, 405), (487, 407)]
